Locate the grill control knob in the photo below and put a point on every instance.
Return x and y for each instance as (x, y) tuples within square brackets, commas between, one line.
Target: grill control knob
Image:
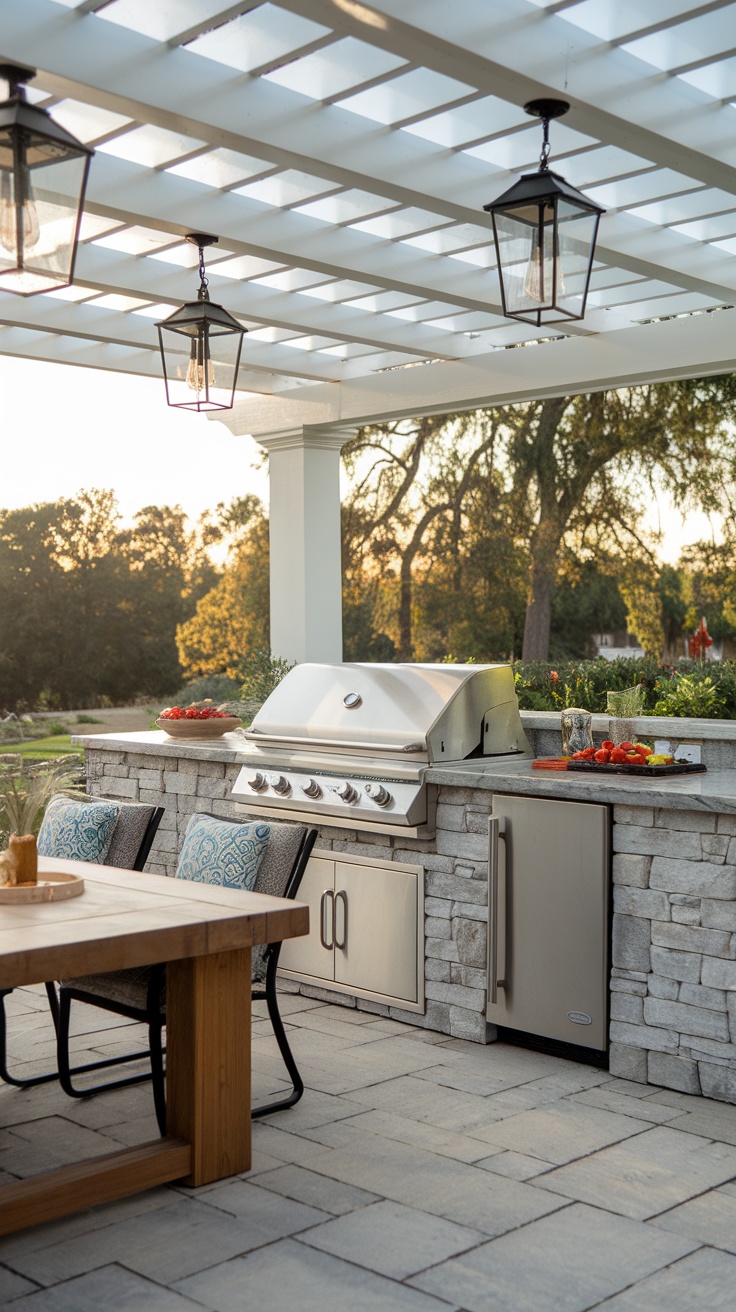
[(378, 794), (311, 788), (279, 783), (258, 782), (345, 791)]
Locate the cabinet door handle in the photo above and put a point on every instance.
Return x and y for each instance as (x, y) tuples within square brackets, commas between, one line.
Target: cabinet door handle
[(327, 896), (496, 833), (341, 897)]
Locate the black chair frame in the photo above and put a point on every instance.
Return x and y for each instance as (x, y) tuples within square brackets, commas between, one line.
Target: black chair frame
[(54, 1004), (153, 1015)]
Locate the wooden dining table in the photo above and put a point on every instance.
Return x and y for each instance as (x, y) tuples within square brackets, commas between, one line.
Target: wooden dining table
[(205, 934)]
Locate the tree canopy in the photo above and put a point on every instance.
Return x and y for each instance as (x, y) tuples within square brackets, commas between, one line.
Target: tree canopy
[(458, 516), (89, 610)]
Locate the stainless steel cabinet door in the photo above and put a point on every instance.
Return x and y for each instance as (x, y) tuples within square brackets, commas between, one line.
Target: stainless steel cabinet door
[(308, 954), (549, 938), (376, 930)]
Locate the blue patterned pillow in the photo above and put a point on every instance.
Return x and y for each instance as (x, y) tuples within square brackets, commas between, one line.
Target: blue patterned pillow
[(77, 831), (218, 852)]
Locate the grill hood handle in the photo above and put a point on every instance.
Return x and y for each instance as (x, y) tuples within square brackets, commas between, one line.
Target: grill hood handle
[(256, 735)]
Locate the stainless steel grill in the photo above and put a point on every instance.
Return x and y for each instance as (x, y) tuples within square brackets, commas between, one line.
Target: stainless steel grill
[(352, 744)]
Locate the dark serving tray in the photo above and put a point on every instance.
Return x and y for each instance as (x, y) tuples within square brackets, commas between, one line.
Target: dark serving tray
[(649, 771)]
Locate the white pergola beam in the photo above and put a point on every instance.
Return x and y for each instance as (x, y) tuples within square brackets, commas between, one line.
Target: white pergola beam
[(666, 120), (286, 235), (475, 43), (679, 348), (131, 193)]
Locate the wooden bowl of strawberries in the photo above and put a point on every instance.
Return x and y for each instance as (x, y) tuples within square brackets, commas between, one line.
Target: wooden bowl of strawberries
[(197, 721)]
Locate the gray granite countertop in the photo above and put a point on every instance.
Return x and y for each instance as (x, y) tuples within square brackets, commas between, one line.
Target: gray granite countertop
[(713, 791), (154, 742)]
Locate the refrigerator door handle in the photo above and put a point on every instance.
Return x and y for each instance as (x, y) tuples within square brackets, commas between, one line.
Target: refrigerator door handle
[(496, 835)]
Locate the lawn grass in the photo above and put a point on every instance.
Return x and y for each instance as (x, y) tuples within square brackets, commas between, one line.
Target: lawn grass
[(42, 749)]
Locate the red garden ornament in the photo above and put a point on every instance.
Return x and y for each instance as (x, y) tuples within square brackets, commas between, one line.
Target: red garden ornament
[(700, 642)]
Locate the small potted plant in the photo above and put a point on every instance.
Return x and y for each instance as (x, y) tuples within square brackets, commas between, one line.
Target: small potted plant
[(24, 796)]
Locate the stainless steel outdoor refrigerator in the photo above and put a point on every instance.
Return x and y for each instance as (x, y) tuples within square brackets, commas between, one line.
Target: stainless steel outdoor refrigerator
[(549, 891)]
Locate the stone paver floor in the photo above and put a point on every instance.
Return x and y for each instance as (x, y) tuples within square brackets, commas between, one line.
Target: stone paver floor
[(418, 1173)]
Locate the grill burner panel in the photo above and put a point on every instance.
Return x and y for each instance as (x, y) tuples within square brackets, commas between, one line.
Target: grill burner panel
[(336, 796)]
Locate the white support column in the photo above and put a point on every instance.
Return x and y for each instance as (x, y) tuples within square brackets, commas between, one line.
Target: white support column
[(306, 565)]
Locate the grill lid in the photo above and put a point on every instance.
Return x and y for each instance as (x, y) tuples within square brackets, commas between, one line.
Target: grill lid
[(428, 712)]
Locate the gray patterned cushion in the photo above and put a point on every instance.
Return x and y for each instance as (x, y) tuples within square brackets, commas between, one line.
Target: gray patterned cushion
[(133, 821), (129, 987), (273, 876)]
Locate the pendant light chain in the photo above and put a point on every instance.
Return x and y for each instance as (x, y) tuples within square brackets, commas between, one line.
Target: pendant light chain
[(203, 294), (546, 147)]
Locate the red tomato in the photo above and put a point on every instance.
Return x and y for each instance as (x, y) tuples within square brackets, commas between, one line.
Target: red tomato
[(627, 746), (607, 744), (602, 756), (618, 756)]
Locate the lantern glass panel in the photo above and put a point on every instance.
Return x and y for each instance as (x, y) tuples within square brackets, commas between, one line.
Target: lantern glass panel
[(41, 191), (576, 233), (200, 365), (526, 258)]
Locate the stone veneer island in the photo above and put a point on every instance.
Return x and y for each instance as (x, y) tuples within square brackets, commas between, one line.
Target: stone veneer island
[(673, 945)]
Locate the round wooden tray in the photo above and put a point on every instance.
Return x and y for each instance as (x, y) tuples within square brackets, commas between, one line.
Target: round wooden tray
[(214, 728), (51, 887)]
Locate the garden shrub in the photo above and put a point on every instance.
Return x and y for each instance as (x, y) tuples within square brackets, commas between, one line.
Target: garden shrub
[(691, 688)]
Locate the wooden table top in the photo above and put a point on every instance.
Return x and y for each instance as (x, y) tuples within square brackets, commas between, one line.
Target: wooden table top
[(127, 918)]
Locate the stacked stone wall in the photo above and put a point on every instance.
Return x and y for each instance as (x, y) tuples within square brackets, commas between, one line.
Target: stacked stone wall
[(673, 999)]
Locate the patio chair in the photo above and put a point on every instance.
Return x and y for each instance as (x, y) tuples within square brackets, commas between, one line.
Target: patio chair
[(129, 847), (140, 993)]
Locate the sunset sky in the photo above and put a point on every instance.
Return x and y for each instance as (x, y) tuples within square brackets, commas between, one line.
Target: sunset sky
[(66, 428)]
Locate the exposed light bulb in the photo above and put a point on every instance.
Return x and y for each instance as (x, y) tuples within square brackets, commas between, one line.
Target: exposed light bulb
[(8, 232), (200, 369), (538, 283)]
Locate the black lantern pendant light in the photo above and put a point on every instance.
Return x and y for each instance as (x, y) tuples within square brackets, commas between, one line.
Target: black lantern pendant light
[(200, 347), (545, 233), (43, 175)]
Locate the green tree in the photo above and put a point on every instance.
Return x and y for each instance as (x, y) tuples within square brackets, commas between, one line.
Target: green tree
[(168, 571), (426, 528), (89, 610), (517, 489), (231, 621), (586, 465)]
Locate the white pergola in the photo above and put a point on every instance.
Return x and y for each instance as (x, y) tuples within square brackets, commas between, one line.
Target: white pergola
[(342, 151)]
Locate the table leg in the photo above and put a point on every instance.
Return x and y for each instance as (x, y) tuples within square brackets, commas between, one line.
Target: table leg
[(208, 1025)]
